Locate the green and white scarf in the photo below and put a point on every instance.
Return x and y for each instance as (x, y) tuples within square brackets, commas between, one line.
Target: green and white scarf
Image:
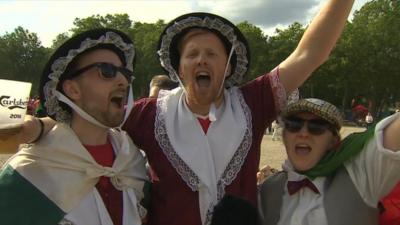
[(349, 148)]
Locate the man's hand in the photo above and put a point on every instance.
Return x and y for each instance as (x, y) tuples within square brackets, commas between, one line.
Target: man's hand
[(264, 173)]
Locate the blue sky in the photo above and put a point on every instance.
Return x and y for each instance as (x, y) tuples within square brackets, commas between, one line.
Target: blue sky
[(49, 18)]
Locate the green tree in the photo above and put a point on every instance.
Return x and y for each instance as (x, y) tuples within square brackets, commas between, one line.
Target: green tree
[(376, 51), (22, 57), (120, 22), (145, 36), (59, 40), (284, 42), (258, 49)]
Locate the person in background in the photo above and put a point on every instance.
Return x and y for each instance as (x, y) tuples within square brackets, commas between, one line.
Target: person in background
[(85, 170), (160, 82), (277, 131), (369, 120), (326, 180)]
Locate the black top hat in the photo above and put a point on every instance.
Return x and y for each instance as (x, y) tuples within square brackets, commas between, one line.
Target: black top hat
[(61, 62), (225, 30)]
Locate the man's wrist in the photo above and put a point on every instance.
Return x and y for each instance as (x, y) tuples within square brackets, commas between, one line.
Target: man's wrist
[(41, 125)]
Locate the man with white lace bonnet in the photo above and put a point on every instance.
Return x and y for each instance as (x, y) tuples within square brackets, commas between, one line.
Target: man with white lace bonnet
[(203, 139), (85, 170)]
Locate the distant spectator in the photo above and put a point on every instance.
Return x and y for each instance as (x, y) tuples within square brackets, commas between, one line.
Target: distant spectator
[(369, 120), (277, 131), (160, 82)]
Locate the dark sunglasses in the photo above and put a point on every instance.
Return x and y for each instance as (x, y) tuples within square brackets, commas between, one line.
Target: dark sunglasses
[(107, 71), (314, 126)]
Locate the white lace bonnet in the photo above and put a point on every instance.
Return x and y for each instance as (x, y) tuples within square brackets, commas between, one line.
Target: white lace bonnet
[(228, 33), (58, 65)]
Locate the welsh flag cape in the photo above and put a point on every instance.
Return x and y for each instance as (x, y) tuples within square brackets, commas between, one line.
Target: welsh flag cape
[(43, 182)]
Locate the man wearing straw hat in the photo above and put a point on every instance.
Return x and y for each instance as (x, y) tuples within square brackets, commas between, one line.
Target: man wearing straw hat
[(203, 139), (85, 170)]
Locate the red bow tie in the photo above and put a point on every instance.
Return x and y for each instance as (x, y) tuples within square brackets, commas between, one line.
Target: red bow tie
[(295, 186)]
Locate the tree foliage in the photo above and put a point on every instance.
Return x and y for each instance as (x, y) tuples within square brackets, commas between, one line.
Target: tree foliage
[(22, 56), (258, 49), (116, 21)]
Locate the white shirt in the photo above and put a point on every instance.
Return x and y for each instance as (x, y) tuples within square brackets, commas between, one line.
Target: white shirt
[(374, 172)]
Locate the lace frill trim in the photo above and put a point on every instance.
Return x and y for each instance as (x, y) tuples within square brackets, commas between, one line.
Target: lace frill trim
[(215, 24), (278, 90), (238, 158), (160, 132), (59, 65), (181, 167)]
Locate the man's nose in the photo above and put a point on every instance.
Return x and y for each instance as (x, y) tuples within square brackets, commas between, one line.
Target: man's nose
[(121, 80), (202, 59)]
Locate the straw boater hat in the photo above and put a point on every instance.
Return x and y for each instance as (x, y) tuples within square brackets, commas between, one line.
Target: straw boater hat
[(61, 62), (318, 107), (224, 29)]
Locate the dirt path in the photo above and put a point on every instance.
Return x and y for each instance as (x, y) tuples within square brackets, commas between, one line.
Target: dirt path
[(272, 152)]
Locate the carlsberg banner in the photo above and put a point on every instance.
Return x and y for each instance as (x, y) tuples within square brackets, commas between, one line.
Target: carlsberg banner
[(14, 97)]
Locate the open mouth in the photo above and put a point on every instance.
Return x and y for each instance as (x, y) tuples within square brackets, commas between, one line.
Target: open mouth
[(118, 101), (203, 79), (302, 148)]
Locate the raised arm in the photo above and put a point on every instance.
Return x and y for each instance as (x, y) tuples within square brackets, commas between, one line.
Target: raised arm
[(391, 135), (316, 44)]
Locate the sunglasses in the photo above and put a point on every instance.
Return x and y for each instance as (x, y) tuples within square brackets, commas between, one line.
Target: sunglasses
[(314, 126), (107, 71)]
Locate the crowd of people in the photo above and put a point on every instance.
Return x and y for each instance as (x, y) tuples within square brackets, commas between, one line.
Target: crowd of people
[(84, 162)]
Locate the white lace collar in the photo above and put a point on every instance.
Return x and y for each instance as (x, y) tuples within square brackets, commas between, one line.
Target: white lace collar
[(207, 163)]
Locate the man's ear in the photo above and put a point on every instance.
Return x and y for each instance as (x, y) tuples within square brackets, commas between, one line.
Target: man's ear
[(71, 89)]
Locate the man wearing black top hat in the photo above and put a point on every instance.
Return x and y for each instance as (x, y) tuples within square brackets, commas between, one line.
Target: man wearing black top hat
[(85, 170)]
